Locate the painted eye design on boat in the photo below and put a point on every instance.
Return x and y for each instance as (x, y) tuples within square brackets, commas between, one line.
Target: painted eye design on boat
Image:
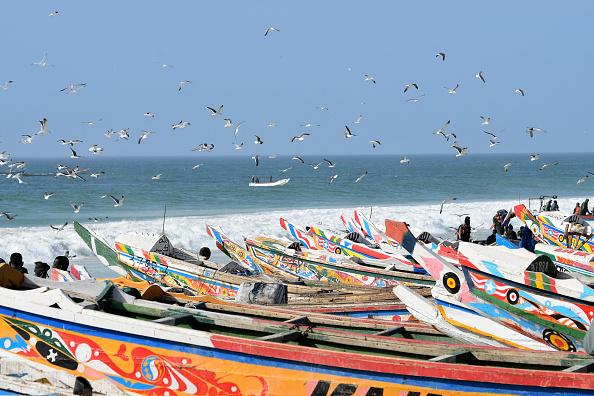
[(513, 296), (451, 282), (558, 340)]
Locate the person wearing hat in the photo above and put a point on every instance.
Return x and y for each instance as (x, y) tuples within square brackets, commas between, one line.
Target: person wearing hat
[(16, 262), (61, 263)]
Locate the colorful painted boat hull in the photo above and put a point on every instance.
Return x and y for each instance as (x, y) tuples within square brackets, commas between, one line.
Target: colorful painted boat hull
[(453, 288), (153, 267), (561, 322), (546, 227), (270, 252), (146, 358)]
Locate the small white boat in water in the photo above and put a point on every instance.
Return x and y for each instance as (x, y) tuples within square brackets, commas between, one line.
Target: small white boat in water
[(269, 184)]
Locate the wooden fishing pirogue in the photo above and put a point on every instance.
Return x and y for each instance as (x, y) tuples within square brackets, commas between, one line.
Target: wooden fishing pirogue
[(206, 277), (148, 348)]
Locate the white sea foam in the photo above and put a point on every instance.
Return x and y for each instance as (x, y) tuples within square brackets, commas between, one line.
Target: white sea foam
[(42, 243)]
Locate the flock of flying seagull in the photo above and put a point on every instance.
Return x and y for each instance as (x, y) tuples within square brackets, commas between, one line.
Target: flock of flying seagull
[(125, 135)]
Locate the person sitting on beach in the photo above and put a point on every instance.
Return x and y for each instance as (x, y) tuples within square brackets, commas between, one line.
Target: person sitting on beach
[(491, 239), (16, 262), (584, 207), (61, 263), (510, 233), (463, 233), (41, 269), (576, 210), (554, 206)]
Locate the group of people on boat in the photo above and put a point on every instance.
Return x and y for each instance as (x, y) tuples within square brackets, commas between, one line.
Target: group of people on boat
[(256, 180), (551, 206), (502, 227), (582, 209), (41, 268)]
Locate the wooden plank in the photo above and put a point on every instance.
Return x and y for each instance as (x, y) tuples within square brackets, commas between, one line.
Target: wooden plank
[(581, 368), (286, 336), (456, 357), (389, 332), (298, 320)]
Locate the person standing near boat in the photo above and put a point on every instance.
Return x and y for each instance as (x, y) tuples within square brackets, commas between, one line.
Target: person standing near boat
[(527, 242), (498, 220), (463, 233), (576, 210), (584, 207)]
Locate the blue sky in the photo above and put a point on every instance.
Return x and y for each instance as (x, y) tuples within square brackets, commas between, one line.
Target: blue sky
[(318, 58)]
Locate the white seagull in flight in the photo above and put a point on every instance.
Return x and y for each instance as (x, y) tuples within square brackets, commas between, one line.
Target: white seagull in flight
[(444, 201), (410, 85), (91, 122), (480, 76), (43, 127), (494, 136), (58, 229), (118, 202), (361, 177), (506, 166), (415, 100), (5, 86), (545, 165), (270, 29), (300, 137), (258, 140), (440, 54), (369, 78), (74, 154), (42, 63), (182, 83), (237, 128), (76, 207), (180, 124), (486, 121), (520, 91), (215, 112), (332, 178), (452, 90), (347, 133), (144, 135)]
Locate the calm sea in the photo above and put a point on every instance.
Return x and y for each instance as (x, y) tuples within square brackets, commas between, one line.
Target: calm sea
[(217, 193)]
